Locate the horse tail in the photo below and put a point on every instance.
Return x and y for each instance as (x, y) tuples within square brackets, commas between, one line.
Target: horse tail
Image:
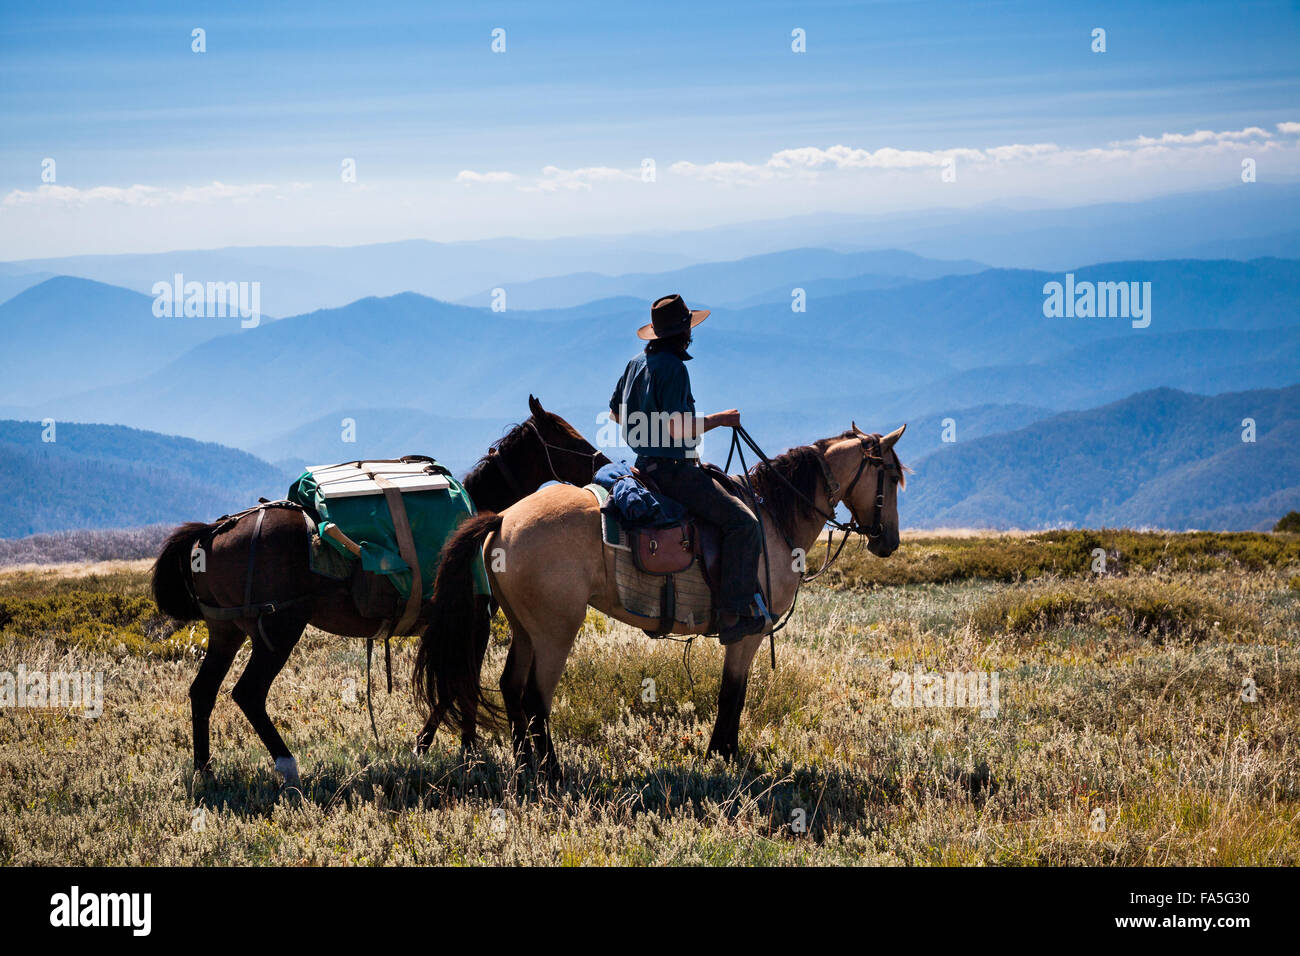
[(446, 676), (171, 586)]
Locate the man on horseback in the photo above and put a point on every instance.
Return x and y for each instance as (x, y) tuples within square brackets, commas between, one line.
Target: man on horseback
[(654, 406)]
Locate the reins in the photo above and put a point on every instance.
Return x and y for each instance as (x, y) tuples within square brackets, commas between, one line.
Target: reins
[(872, 454)]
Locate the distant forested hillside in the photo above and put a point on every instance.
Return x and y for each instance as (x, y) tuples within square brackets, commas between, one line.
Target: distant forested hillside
[(109, 476), (1161, 458)]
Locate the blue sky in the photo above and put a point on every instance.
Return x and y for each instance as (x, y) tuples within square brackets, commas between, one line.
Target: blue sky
[(451, 140)]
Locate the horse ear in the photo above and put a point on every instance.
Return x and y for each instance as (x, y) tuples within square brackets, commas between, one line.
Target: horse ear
[(889, 440), (535, 407)]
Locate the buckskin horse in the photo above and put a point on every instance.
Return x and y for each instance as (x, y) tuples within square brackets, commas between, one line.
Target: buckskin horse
[(289, 596), (549, 564)]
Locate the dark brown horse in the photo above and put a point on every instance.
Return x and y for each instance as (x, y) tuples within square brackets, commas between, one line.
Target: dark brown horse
[(543, 448)]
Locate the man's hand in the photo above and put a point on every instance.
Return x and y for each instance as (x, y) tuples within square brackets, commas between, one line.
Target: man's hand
[(729, 419)]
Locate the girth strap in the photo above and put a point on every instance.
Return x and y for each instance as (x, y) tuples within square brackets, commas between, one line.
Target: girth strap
[(405, 547), (249, 609)]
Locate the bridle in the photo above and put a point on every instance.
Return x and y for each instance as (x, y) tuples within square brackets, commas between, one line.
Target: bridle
[(547, 447), (872, 454)]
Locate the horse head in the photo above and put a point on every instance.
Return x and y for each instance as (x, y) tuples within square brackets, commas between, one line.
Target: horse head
[(870, 474)]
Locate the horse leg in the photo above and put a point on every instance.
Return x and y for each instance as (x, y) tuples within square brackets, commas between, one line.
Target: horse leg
[(731, 696), (425, 740), (224, 641), (538, 714), (514, 684), (550, 654), (283, 632)]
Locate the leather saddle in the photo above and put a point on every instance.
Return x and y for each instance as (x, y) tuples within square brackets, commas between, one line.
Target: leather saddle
[(672, 549)]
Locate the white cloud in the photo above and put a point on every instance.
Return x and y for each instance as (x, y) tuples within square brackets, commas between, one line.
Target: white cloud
[(139, 195), (1199, 137), (734, 172), (553, 179), (811, 161), (469, 176)]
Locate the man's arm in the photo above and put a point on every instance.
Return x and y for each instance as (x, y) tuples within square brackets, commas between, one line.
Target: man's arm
[(693, 426)]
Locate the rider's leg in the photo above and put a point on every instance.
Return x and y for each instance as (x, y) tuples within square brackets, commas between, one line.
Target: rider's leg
[(741, 539)]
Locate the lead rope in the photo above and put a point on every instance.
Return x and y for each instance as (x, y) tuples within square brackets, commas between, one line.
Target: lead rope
[(370, 706), (388, 666), (762, 534)]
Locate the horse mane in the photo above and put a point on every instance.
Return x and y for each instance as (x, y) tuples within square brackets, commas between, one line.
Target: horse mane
[(801, 467), (504, 445)]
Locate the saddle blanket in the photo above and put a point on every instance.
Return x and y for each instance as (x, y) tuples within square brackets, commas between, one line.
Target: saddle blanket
[(349, 496), (640, 593)]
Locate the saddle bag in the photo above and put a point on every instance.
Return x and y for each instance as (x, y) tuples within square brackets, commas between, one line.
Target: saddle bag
[(667, 550)]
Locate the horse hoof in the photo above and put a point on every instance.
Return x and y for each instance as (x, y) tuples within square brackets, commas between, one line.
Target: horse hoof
[(287, 767)]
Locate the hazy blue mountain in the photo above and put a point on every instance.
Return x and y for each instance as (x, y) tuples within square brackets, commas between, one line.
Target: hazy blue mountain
[(822, 289), (1282, 245), (1204, 361), (13, 283), (996, 317), (712, 284), (408, 351), (1161, 458), (615, 307), (69, 335), (925, 433), (890, 354), (1028, 234), (298, 279), (386, 433), (108, 476)]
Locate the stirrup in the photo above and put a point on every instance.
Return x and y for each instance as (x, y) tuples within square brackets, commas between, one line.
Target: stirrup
[(763, 611)]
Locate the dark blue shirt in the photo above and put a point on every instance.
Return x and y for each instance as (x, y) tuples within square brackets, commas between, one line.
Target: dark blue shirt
[(654, 386)]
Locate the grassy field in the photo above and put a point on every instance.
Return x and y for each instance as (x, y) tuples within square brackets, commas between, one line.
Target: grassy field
[(1149, 715)]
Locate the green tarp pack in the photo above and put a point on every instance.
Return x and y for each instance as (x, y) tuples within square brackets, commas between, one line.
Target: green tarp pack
[(347, 496)]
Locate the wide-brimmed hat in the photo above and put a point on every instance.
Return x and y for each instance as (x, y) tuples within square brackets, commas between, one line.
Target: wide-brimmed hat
[(670, 316)]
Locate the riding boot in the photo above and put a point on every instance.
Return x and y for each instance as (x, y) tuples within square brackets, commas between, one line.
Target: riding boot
[(733, 627)]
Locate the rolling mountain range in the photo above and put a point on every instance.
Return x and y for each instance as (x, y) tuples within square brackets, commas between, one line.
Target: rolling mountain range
[(1243, 221), (905, 340), (736, 282), (1161, 458), (68, 335), (878, 355)]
